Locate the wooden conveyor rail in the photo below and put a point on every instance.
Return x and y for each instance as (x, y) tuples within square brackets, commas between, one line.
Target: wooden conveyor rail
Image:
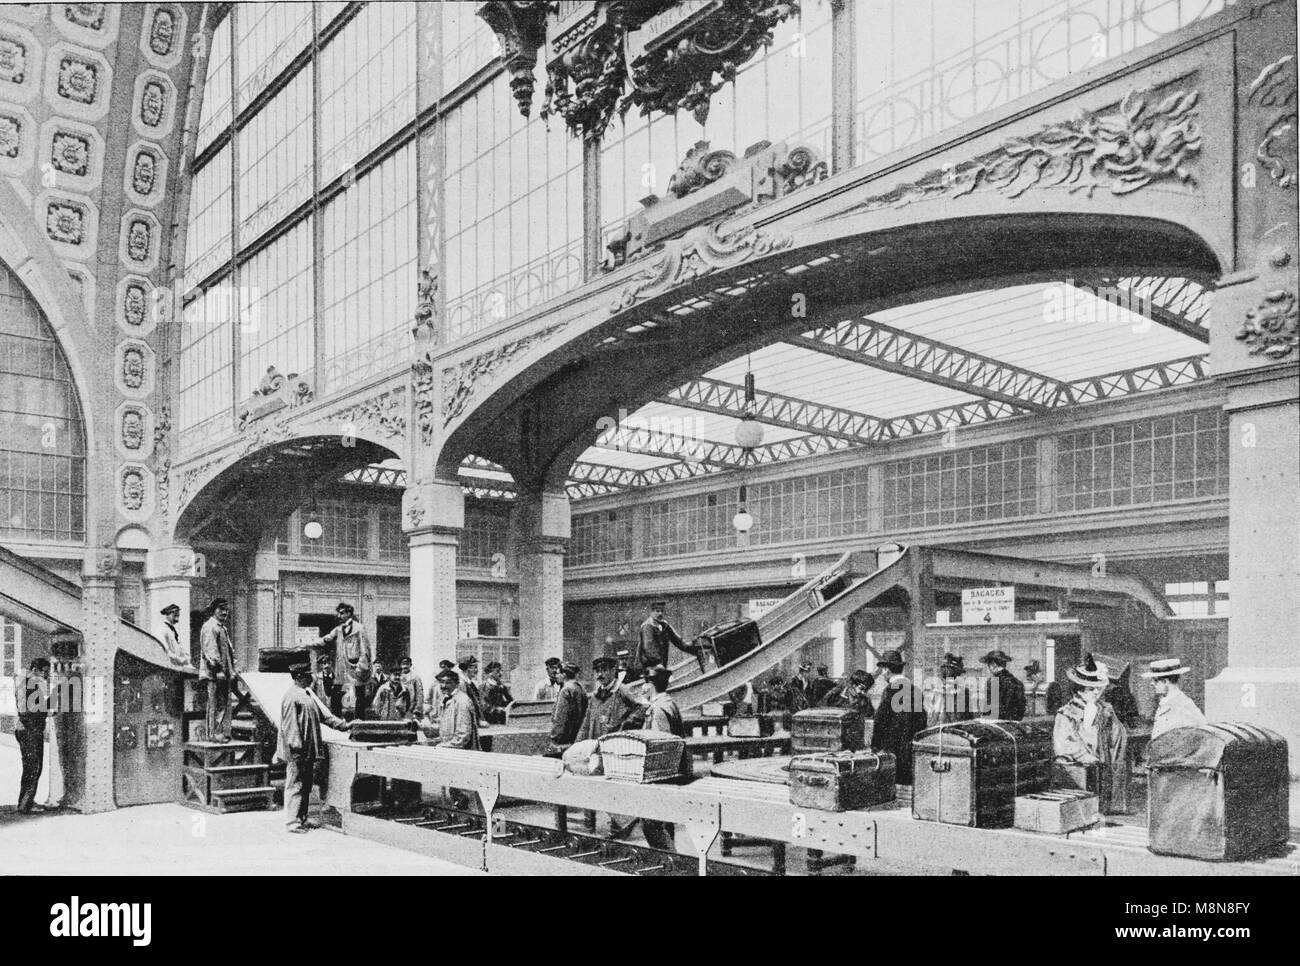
[(710, 806)]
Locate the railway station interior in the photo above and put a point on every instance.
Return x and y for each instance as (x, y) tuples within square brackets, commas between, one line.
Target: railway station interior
[(913, 333)]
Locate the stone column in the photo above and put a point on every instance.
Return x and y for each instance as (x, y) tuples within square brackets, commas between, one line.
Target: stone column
[(167, 575), (541, 521), (259, 631), (92, 791), (433, 514), (1252, 324)]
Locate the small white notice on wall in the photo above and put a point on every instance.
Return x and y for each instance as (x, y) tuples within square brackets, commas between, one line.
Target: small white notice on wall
[(988, 605)]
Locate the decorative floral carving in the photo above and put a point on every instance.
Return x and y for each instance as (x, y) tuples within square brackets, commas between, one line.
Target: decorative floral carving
[(13, 60), (133, 490), (683, 73), (132, 429), (153, 102), (1275, 87), (133, 367), (65, 221), (78, 80), (1270, 328), (70, 153), (415, 510), (791, 169), (520, 26), (592, 60), (162, 425), (699, 252), (275, 392), (138, 240), (11, 136), (164, 485), (106, 563), (190, 477), (422, 386), (266, 435), (1119, 152), (425, 329), (144, 172), (459, 383), (387, 412), (87, 15), (700, 167), (162, 32), (134, 304)]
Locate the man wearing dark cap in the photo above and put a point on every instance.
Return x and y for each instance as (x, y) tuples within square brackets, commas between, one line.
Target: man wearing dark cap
[(300, 744), (854, 694), (900, 715), (457, 716), (549, 689), (951, 701), (1004, 695), (569, 711), (171, 637), (1056, 694), (655, 637), (32, 696), (467, 668), (496, 695), (217, 667), (611, 706), (799, 689)]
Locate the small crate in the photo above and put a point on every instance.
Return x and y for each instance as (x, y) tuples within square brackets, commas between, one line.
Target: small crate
[(642, 757), (718, 709), (1057, 812)]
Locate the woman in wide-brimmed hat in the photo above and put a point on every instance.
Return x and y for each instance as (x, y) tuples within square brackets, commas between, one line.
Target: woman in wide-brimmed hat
[(1088, 732)]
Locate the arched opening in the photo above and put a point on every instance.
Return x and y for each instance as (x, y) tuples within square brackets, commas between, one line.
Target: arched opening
[(42, 431)]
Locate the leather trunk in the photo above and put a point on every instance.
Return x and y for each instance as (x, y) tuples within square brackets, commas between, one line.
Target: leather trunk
[(729, 640), (842, 781), (970, 772), (826, 729), (1218, 791)]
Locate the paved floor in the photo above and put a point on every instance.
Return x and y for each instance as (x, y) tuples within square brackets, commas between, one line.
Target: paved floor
[(173, 840)]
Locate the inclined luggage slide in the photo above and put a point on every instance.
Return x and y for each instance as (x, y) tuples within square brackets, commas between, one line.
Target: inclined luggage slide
[(793, 623), (800, 618), (32, 595)]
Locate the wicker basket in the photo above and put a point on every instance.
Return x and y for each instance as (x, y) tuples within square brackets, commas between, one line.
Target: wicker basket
[(642, 757)]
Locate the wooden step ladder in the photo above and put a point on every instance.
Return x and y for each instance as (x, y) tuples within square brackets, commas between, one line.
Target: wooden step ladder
[(227, 776)]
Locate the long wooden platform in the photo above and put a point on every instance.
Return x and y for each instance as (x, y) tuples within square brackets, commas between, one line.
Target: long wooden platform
[(886, 837)]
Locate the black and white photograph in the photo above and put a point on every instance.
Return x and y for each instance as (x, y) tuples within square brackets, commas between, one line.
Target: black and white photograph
[(651, 438)]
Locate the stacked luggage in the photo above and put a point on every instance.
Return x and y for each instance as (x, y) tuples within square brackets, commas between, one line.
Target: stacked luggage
[(826, 729), (971, 772)]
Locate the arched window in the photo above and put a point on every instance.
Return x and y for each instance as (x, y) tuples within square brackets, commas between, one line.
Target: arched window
[(42, 438)]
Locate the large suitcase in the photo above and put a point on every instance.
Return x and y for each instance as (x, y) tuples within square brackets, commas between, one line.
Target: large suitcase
[(725, 642), (1218, 791), (827, 588), (970, 772), (842, 781), (825, 729)]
